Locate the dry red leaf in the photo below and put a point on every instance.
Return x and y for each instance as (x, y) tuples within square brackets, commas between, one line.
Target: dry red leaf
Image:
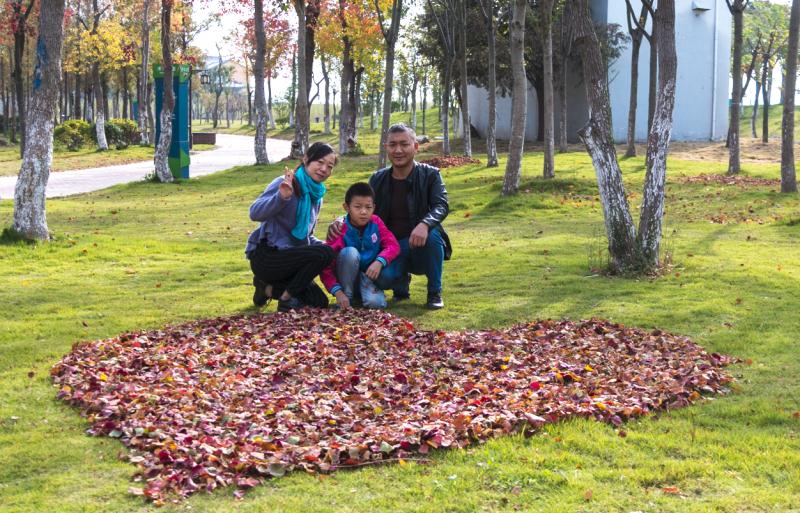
[(231, 401)]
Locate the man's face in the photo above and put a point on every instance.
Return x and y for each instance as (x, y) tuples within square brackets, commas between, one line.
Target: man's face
[(401, 148)]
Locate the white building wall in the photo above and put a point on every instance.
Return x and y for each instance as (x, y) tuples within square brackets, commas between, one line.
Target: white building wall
[(702, 41), (701, 101), (479, 113)]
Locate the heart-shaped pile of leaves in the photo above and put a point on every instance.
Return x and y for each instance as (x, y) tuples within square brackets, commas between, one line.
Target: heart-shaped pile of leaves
[(230, 401)]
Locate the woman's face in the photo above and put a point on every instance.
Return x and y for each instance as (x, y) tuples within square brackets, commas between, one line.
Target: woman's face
[(319, 170)]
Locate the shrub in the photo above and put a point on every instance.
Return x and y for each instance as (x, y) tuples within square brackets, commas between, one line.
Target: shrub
[(121, 132), (73, 134)]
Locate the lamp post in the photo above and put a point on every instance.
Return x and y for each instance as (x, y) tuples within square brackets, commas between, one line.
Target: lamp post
[(204, 79)]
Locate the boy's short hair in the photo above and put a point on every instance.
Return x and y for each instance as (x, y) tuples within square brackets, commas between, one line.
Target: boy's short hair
[(359, 189)]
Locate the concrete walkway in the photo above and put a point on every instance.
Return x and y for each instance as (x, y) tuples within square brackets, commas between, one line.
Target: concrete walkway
[(231, 151)]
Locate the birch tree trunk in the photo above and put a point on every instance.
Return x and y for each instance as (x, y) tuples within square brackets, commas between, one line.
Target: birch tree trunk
[(788, 175), (765, 90), (390, 38), (300, 143), (445, 106), (327, 106), (754, 117), (519, 98), (258, 72), (161, 158), (652, 210), (269, 103), (461, 6), (651, 95), (597, 137), (487, 8), (30, 218), (546, 7), (734, 159), (144, 72), (100, 118)]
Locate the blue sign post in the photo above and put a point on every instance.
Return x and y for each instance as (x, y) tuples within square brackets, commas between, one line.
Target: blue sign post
[(179, 147)]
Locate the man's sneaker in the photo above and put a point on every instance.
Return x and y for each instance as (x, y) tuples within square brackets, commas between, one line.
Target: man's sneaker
[(434, 301), (290, 304), (260, 297)]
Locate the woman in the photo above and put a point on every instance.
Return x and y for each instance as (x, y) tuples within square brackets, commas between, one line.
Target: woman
[(283, 252)]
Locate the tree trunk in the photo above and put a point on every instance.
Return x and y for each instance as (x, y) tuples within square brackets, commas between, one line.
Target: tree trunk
[(734, 160), (599, 142), (462, 60), (269, 103), (765, 87), (249, 91), (258, 73), (445, 106), (390, 38), (424, 99), (100, 118), (144, 73), (300, 143), (755, 111), (414, 84), (788, 175), (30, 218), (347, 112), (565, 49), (651, 95), (546, 7), (327, 106), (161, 159), (487, 8), (19, 50), (125, 93), (652, 210), (76, 99), (519, 97), (635, 45)]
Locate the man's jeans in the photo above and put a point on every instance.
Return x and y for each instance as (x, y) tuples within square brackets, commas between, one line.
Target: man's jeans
[(350, 276), (427, 260)]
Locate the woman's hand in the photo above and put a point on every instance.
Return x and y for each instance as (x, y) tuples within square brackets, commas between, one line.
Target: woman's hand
[(335, 229), (286, 188), (342, 300), (374, 270)]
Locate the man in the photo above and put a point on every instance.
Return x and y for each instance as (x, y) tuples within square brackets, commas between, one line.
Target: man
[(411, 200)]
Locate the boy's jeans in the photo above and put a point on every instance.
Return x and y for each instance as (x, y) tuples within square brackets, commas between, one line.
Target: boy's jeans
[(350, 277), (427, 260)]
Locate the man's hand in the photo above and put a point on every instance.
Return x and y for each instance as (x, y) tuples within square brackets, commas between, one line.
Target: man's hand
[(286, 188), (342, 300), (419, 236), (334, 230), (374, 270)]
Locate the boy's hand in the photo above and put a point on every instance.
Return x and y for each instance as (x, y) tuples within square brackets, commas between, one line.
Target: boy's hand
[(334, 230), (419, 236), (374, 270), (286, 188), (342, 300)]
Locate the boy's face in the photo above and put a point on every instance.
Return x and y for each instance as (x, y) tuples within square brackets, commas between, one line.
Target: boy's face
[(360, 210)]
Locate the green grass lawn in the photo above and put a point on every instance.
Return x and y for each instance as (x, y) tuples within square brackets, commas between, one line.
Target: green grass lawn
[(142, 255), (88, 157), (775, 120)]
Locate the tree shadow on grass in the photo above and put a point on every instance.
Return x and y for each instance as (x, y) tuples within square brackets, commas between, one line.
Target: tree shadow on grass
[(11, 237)]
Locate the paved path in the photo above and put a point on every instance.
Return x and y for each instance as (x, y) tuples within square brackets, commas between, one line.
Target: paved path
[(231, 151)]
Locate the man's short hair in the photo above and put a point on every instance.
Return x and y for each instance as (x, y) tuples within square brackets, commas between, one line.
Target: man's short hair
[(400, 128), (362, 189)]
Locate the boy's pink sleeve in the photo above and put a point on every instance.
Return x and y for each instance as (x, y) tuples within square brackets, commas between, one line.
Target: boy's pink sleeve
[(390, 248), (328, 275)]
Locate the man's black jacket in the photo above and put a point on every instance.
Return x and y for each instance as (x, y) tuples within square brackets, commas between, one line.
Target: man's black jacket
[(427, 202)]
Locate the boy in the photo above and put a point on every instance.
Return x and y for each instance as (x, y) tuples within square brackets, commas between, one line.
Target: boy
[(363, 248)]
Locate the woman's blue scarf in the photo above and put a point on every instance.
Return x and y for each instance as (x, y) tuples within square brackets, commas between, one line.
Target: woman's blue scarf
[(311, 193)]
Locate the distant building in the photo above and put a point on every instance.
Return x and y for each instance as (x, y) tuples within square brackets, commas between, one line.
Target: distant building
[(703, 42)]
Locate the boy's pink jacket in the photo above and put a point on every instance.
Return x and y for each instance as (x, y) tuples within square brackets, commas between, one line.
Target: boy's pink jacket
[(389, 246)]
